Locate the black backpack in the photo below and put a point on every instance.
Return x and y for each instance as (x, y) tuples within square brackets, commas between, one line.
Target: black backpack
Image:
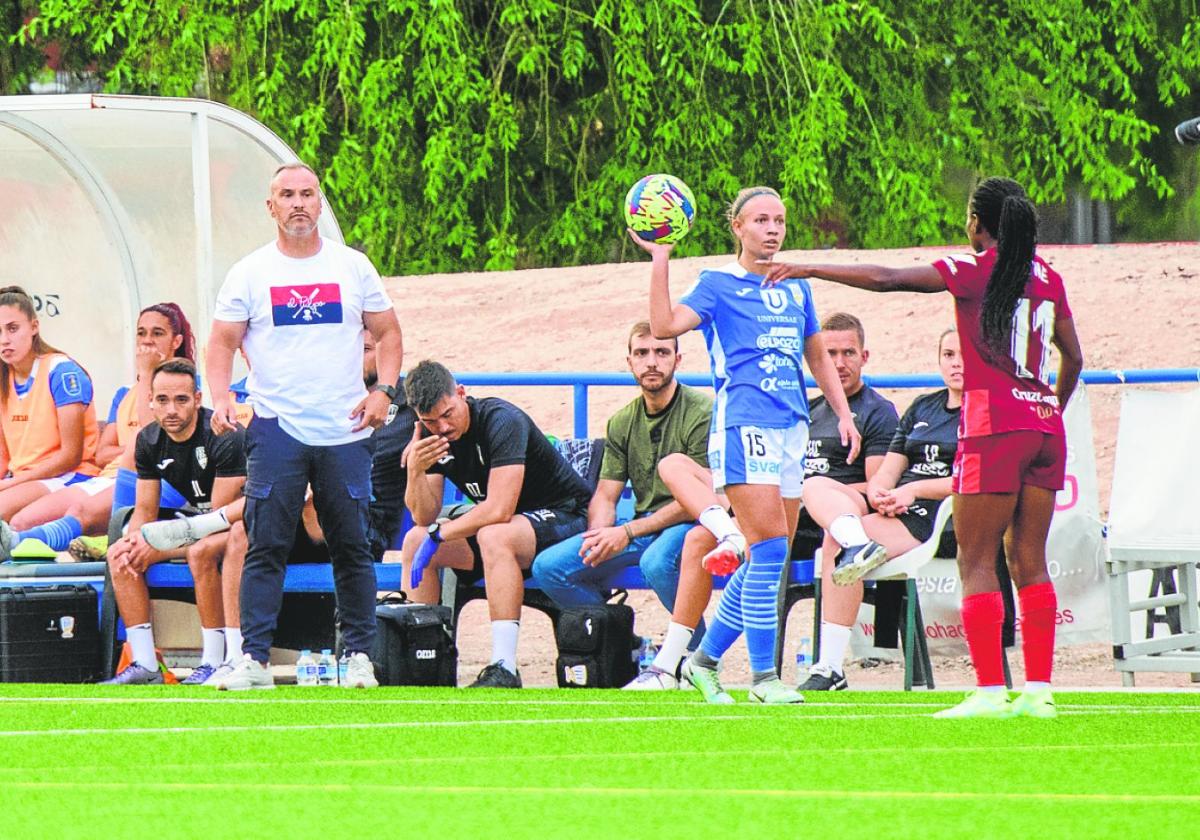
[(414, 644), (596, 646)]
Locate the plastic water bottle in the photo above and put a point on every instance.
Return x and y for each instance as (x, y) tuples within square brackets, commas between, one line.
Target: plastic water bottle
[(343, 664), (327, 668), (646, 652), (306, 669), (804, 658)]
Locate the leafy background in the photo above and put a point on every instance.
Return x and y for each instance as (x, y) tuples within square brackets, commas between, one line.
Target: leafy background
[(457, 134)]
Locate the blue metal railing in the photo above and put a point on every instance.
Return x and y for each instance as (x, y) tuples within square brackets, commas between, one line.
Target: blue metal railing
[(581, 381)]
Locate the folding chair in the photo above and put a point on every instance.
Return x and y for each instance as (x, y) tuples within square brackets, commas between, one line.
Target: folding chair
[(1152, 526)]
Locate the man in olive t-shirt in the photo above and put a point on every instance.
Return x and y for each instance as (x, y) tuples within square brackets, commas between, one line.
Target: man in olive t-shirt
[(665, 418)]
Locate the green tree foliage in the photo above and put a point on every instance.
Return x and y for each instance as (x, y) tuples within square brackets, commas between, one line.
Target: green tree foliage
[(455, 134)]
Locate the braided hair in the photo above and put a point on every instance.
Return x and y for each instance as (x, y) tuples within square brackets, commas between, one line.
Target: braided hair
[(1006, 213)]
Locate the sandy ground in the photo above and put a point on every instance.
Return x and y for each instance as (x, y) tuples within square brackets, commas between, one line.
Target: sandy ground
[(1133, 308)]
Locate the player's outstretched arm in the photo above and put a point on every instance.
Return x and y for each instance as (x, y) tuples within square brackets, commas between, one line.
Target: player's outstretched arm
[(826, 375), (666, 320), (873, 278)]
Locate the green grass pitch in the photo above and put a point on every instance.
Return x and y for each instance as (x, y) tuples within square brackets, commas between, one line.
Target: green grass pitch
[(81, 761)]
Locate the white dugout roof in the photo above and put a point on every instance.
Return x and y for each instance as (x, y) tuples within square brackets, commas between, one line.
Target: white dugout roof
[(111, 203)]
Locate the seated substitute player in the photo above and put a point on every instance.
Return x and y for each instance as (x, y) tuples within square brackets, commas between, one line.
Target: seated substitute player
[(178, 448), (904, 492), (666, 418), (527, 498), (835, 488)]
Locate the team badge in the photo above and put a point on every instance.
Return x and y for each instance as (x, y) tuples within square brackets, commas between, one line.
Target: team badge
[(775, 299), (201, 457)]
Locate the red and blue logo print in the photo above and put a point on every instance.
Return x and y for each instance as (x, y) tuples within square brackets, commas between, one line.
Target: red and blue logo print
[(302, 305)]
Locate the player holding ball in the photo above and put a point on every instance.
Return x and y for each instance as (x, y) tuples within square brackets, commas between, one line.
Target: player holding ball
[(1011, 307), (758, 339)]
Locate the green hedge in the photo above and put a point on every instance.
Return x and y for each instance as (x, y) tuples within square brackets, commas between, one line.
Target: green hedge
[(470, 134)]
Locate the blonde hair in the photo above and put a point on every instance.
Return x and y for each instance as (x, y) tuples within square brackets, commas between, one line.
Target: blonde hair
[(739, 202)]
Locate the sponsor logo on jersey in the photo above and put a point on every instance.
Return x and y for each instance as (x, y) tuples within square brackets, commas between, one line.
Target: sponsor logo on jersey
[(761, 466), (1034, 397), (934, 469), (816, 466), (162, 465), (780, 338), (774, 361), (773, 384), (320, 303), (742, 292)]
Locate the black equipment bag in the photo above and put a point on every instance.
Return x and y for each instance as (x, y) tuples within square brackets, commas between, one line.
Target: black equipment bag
[(414, 643), (596, 646), (49, 634)]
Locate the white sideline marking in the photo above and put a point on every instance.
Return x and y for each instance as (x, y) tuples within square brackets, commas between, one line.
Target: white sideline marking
[(395, 701), (301, 727), (619, 756), (406, 788)]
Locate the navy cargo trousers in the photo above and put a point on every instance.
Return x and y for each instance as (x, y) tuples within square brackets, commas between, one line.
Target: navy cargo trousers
[(279, 469)]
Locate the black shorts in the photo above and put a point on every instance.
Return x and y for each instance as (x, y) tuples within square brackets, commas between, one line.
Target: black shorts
[(550, 526), (918, 519)]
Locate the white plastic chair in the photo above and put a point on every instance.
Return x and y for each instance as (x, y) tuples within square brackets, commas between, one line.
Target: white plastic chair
[(1152, 525), (917, 667)]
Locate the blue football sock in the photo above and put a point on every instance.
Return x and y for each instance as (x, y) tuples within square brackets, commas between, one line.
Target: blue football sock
[(760, 601), (57, 533), (726, 626)]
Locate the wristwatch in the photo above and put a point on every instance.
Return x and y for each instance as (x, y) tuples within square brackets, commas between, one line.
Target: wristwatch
[(390, 390), (435, 532)]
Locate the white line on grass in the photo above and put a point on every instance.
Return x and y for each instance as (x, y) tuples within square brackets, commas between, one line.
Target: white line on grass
[(407, 788), (366, 700), (803, 752), (624, 719)]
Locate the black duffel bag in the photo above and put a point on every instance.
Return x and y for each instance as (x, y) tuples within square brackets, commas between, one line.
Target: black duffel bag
[(414, 643), (596, 646)]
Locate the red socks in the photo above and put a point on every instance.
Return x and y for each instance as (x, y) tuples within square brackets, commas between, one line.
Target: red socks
[(983, 620), (1039, 605)]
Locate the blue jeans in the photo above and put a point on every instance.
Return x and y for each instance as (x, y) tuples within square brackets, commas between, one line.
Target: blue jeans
[(562, 574), (278, 470)]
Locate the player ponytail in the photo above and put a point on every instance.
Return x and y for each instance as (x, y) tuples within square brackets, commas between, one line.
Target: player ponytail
[(1006, 213)]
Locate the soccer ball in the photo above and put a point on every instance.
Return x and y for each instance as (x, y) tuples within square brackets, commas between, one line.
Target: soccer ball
[(660, 208)]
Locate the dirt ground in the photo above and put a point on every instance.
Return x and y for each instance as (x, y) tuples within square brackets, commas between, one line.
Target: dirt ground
[(1133, 306)]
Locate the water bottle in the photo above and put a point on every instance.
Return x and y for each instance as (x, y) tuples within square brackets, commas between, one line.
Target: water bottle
[(306, 669), (804, 658), (343, 664), (646, 652), (327, 668)]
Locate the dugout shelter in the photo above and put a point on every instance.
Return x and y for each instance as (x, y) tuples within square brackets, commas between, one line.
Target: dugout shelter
[(111, 203)]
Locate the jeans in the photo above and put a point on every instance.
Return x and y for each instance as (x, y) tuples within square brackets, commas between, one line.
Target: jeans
[(562, 574), (278, 470)]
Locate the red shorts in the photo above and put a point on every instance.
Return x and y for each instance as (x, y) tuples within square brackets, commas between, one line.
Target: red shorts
[(1002, 463)]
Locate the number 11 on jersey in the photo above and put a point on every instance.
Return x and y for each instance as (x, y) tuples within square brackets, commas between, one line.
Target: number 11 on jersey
[(1033, 330)]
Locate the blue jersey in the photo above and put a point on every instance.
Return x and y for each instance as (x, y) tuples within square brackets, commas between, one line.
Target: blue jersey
[(755, 340)]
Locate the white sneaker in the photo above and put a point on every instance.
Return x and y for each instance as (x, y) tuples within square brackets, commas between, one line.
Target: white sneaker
[(219, 675), (247, 674), (652, 679), (169, 534), (360, 673)]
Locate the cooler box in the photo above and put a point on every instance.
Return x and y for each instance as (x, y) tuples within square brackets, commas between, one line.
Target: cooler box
[(49, 634)]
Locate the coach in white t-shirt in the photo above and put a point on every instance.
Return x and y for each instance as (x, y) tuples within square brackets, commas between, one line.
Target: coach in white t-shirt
[(298, 307)]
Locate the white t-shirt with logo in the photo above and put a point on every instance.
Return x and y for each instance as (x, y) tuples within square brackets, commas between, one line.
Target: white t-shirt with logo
[(304, 336)]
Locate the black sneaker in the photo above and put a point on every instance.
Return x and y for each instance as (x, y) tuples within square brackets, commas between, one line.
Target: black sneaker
[(854, 562), (496, 676), (824, 678)]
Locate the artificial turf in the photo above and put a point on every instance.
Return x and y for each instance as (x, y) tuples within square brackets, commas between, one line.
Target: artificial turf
[(83, 761)]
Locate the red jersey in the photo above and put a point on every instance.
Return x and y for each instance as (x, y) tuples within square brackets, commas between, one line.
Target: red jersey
[(1013, 392)]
